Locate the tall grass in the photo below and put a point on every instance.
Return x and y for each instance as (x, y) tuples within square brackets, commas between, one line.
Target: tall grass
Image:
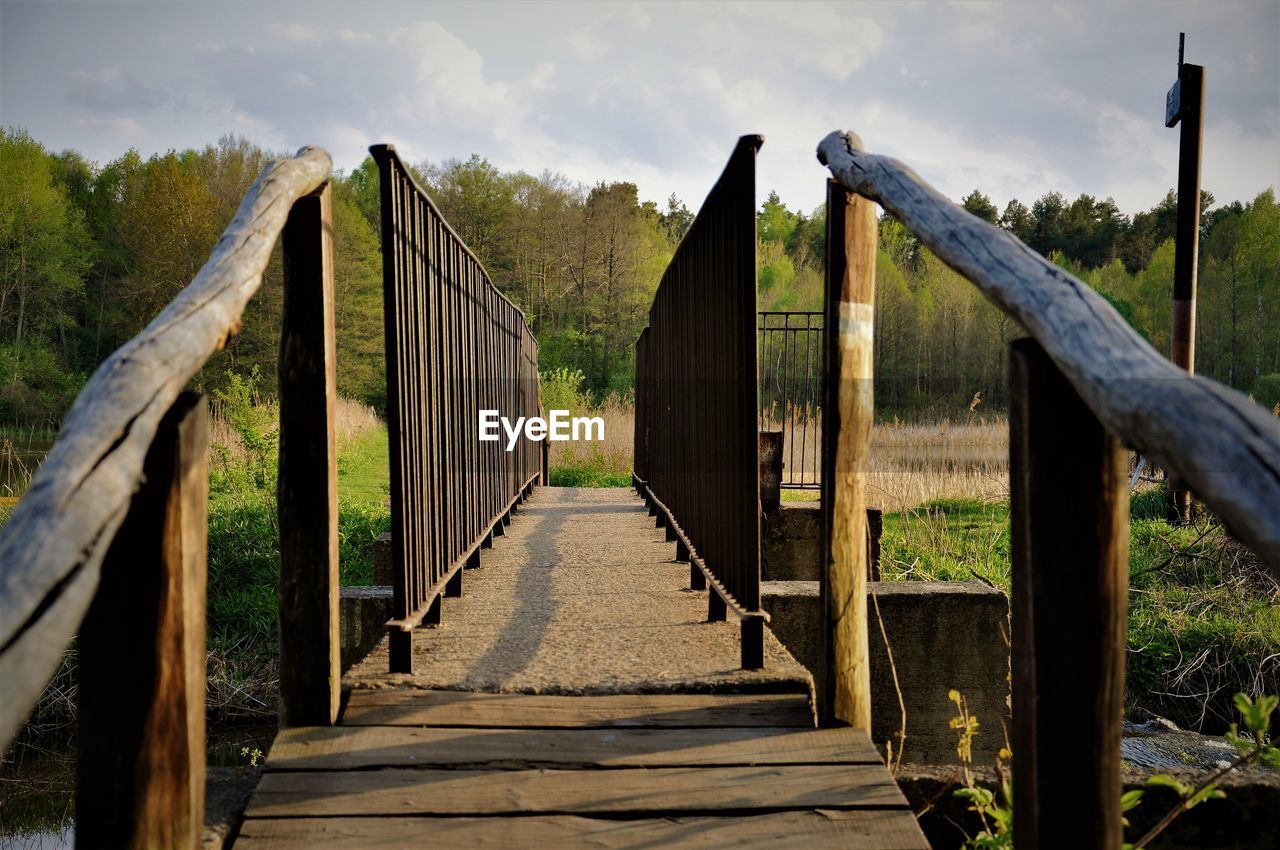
[(606, 463)]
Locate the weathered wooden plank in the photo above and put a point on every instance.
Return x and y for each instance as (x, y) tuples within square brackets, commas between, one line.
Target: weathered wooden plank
[(1224, 446), (493, 792), (343, 748), (52, 546), (1069, 544), (457, 708), (847, 398), (307, 489), (141, 747), (874, 830)]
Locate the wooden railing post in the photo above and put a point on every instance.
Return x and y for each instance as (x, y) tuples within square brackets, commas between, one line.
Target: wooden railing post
[(310, 673), (1069, 498), (141, 742), (847, 412)]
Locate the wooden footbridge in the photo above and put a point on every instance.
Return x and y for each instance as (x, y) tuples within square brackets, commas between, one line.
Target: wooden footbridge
[(586, 688)]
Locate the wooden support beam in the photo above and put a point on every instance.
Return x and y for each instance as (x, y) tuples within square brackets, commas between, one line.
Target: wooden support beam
[(1186, 255), (847, 412), (141, 742), (52, 546), (1069, 497), (307, 491)]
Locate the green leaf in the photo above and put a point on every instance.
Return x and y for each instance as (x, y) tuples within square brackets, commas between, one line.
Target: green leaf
[(1209, 792), (1130, 799), (1164, 780)]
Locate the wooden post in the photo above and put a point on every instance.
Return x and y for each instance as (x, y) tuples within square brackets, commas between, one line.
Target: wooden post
[(1186, 249), (847, 412), (140, 774), (310, 672), (1069, 499)]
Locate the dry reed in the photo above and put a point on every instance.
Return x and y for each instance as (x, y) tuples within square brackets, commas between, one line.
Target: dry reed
[(613, 454), (353, 420)]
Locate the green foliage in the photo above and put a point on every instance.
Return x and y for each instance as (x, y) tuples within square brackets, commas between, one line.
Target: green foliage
[(244, 536), (238, 403), (980, 205), (38, 389), (1148, 505), (995, 813), (588, 476), (565, 389), (357, 275), (1251, 747), (44, 256), (1266, 391), (1202, 621)]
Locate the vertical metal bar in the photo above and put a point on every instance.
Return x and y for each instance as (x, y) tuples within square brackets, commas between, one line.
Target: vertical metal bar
[(400, 640), (700, 427), (454, 345)]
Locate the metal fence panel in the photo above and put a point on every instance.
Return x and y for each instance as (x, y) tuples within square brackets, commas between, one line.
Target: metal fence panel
[(697, 396), (455, 345), (790, 368)]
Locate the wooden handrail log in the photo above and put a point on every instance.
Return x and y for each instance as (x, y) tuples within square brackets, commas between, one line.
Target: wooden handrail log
[(1221, 443), (52, 547)]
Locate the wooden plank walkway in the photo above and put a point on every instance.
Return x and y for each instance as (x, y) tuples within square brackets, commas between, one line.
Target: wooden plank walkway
[(634, 727), (510, 771)]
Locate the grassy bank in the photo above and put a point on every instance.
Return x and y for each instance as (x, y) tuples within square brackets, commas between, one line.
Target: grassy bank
[(606, 463), (1204, 616), (244, 553), (244, 538)]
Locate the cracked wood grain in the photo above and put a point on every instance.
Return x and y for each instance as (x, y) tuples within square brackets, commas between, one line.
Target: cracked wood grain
[(1226, 447), (52, 547)]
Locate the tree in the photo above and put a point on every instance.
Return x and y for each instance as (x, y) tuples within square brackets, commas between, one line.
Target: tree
[(981, 206), (1016, 219), (676, 219), (169, 224), (44, 252)]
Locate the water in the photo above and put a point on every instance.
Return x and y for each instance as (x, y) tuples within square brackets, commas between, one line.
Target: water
[(20, 456), (37, 785)]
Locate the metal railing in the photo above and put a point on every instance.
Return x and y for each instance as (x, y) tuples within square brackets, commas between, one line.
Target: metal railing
[(455, 346), (697, 407), (790, 376)]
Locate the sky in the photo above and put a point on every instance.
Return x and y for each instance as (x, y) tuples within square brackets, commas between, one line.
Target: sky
[(1014, 98)]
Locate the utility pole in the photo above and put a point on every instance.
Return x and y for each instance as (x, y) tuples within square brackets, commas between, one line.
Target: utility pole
[(1185, 103)]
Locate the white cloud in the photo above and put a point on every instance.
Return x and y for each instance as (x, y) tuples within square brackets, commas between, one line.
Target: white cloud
[(123, 130), (112, 74), (586, 43)]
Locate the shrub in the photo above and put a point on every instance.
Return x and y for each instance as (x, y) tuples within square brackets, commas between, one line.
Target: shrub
[(565, 389), (1266, 391)]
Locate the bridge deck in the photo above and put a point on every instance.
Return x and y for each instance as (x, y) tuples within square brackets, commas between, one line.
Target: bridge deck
[(632, 727)]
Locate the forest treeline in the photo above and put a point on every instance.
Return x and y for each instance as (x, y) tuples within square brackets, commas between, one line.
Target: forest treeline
[(90, 252)]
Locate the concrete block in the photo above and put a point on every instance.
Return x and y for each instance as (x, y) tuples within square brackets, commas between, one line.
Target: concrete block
[(793, 542), (943, 635), (382, 559), (362, 616)]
